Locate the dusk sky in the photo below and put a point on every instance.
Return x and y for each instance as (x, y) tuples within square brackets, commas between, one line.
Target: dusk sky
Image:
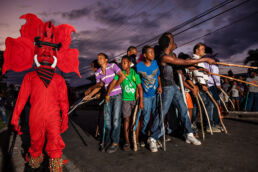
[(111, 26)]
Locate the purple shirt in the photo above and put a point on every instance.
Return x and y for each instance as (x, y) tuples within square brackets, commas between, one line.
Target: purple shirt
[(111, 70), (213, 80)]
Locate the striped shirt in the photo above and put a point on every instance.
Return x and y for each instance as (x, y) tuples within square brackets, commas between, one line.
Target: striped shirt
[(111, 70)]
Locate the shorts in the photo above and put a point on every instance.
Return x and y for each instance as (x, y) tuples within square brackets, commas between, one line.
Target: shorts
[(189, 100), (235, 98), (128, 108)]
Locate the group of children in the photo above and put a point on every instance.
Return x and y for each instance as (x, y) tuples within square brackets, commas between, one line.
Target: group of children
[(145, 81)]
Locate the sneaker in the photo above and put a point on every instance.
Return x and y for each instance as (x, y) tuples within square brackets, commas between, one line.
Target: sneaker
[(191, 139), (152, 144), (142, 144), (214, 130), (113, 148), (168, 138), (126, 147)]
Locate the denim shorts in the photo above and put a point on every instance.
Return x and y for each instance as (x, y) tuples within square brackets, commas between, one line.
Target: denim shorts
[(128, 108), (235, 98)]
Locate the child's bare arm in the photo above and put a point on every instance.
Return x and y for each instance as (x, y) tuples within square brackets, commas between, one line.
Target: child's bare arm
[(94, 91), (140, 91), (159, 90)]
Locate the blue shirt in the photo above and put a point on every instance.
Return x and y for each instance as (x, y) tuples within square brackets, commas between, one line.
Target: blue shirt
[(149, 77)]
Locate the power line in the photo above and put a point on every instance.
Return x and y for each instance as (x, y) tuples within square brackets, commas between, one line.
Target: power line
[(185, 23), (194, 19), (230, 24), (238, 5), (191, 20)]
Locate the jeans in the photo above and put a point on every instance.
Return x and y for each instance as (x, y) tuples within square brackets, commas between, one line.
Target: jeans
[(112, 117), (252, 102), (149, 107), (179, 103), (171, 94), (214, 93), (209, 107)]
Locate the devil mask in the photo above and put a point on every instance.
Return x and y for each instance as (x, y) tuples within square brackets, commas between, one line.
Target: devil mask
[(43, 43)]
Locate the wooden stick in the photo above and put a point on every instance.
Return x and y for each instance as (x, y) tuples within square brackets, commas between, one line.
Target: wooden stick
[(200, 111), (228, 98), (224, 104), (235, 65), (239, 80), (206, 113), (134, 121), (221, 122), (162, 119)]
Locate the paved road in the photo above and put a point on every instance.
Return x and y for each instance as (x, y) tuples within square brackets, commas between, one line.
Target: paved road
[(237, 151)]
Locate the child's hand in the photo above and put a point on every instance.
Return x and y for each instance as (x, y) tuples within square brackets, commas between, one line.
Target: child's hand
[(136, 95), (107, 99), (87, 92), (98, 95), (195, 91), (159, 90), (87, 98), (141, 105)]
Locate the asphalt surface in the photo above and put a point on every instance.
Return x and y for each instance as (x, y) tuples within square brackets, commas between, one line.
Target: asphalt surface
[(237, 151)]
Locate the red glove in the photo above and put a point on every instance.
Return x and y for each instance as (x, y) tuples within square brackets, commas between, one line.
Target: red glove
[(64, 125), (16, 126)]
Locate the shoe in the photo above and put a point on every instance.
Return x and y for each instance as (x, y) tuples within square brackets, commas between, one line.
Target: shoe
[(152, 144), (159, 144), (112, 149), (214, 130), (167, 137), (126, 147), (220, 128), (191, 139), (142, 144)]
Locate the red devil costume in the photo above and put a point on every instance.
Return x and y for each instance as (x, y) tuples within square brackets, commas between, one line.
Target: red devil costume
[(48, 46)]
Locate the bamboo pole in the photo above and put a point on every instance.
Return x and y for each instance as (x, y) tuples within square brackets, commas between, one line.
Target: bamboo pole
[(134, 121), (235, 65), (224, 104), (228, 98), (220, 118), (201, 118), (239, 80), (206, 113)]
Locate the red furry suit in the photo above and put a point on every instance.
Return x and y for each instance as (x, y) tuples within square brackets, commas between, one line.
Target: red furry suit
[(48, 46)]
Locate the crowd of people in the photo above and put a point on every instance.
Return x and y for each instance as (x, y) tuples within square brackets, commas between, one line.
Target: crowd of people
[(158, 72), (244, 97)]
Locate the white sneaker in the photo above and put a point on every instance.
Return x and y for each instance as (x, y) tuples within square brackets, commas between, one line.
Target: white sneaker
[(191, 139), (152, 144)]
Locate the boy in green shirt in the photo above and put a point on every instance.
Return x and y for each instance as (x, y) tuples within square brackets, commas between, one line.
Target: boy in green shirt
[(131, 90)]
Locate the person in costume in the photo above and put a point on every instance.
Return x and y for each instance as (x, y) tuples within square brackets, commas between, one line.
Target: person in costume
[(48, 46)]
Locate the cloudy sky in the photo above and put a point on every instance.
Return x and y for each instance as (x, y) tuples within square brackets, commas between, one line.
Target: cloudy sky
[(111, 26)]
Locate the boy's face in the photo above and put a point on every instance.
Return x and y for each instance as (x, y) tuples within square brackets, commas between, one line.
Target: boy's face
[(149, 54), (133, 51), (201, 51), (102, 60), (125, 64)]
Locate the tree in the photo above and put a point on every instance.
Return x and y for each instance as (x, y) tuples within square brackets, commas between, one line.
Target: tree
[(252, 58)]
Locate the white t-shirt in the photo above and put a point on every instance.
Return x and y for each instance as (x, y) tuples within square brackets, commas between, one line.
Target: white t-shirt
[(254, 81), (235, 92)]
